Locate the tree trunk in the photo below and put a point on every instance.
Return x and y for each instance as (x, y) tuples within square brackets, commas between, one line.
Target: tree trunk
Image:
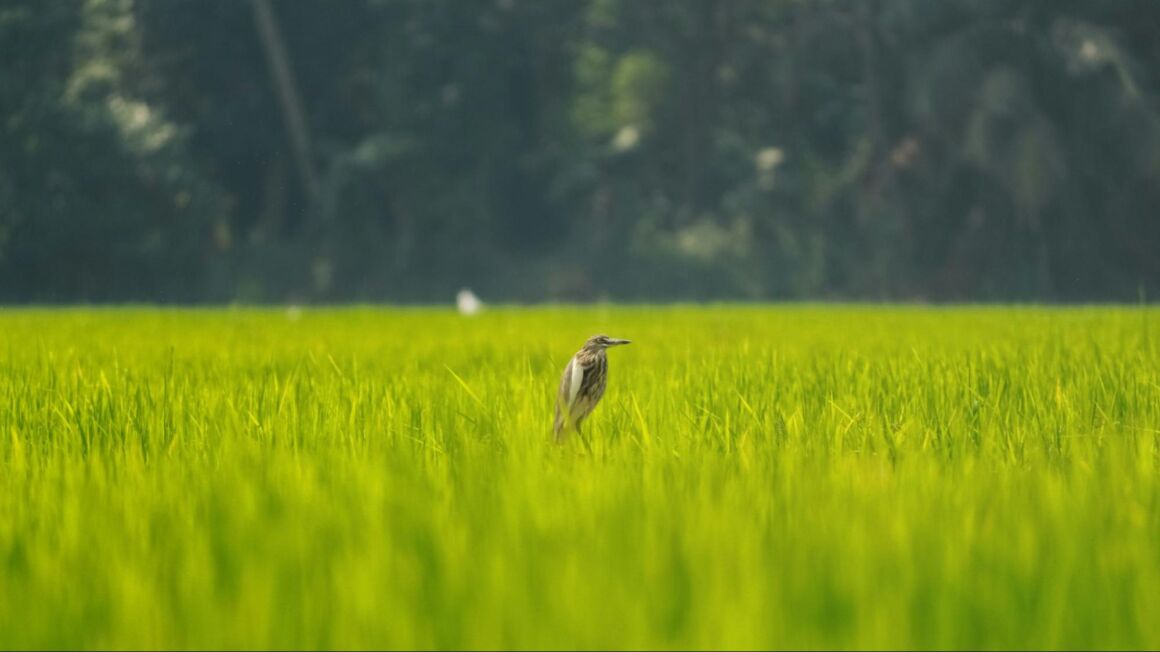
[(286, 88)]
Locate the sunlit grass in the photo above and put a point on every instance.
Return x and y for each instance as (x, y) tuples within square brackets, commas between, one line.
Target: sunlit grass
[(758, 477)]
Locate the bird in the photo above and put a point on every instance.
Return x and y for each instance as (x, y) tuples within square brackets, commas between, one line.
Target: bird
[(467, 302), (582, 384)]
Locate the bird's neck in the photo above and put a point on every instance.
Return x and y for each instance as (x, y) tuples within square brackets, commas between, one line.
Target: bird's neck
[(587, 355)]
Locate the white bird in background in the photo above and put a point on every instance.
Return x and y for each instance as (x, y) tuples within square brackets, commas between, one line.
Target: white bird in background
[(468, 303)]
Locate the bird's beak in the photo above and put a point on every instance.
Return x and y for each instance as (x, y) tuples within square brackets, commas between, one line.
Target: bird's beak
[(612, 342)]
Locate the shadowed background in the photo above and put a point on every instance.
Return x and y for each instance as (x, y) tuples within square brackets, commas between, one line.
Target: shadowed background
[(390, 150)]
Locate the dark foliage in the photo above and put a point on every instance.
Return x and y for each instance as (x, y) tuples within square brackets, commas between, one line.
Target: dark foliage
[(556, 149)]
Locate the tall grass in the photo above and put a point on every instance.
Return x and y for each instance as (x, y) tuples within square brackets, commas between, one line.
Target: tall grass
[(758, 477)]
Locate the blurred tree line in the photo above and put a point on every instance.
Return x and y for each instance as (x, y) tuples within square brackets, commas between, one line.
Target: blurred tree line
[(313, 150)]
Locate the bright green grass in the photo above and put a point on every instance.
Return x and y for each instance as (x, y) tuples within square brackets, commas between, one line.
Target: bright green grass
[(759, 477)]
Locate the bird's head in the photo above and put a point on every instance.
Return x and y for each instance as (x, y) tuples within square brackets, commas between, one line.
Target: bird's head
[(597, 342)]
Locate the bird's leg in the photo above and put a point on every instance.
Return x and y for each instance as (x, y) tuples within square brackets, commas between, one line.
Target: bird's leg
[(583, 439)]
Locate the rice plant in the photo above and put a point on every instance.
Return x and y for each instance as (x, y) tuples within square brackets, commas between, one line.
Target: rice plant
[(755, 477)]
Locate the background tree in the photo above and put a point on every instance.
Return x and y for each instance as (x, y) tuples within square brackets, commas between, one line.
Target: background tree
[(553, 149)]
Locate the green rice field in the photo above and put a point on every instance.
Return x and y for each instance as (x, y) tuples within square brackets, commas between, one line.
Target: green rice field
[(755, 477)]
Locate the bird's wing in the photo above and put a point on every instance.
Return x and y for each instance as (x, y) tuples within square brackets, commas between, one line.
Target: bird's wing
[(575, 371), (570, 382), (564, 396)]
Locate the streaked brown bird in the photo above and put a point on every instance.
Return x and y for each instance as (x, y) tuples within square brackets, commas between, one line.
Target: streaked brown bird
[(582, 384)]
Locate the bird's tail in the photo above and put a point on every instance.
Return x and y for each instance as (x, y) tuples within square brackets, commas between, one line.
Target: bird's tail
[(562, 425), (558, 427)]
